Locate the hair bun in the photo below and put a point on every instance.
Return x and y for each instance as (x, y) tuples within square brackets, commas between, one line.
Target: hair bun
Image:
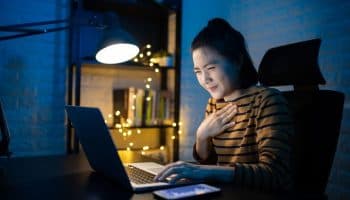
[(218, 23)]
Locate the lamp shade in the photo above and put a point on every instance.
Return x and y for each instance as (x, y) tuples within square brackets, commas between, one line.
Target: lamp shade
[(117, 46)]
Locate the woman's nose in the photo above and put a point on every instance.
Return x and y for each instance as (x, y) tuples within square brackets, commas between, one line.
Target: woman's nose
[(206, 77)]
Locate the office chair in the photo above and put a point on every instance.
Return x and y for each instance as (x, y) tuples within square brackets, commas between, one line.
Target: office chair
[(316, 113), (5, 135)]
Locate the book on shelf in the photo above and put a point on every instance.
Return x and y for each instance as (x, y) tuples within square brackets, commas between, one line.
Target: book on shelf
[(142, 107)]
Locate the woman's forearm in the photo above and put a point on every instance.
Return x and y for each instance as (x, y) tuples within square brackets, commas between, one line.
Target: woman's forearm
[(203, 146), (220, 173)]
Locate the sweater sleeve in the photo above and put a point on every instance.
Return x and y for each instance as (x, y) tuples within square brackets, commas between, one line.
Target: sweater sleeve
[(211, 160), (274, 131)]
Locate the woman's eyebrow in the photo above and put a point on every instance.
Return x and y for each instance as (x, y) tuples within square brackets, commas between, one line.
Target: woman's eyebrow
[(212, 62)]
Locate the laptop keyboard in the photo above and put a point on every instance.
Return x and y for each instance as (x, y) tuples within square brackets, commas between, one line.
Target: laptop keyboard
[(139, 176)]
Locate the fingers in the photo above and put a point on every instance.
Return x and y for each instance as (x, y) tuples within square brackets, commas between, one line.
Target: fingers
[(229, 114), (169, 170), (179, 171), (228, 109), (228, 125), (226, 114)]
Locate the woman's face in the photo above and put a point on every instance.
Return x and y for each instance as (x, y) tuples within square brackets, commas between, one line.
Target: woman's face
[(215, 73)]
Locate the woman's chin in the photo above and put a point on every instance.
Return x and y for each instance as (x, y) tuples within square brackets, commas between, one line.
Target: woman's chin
[(216, 96)]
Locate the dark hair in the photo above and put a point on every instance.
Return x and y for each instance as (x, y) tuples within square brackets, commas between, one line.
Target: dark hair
[(219, 35)]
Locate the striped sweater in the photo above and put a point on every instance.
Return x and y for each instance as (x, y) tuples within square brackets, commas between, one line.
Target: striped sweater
[(259, 144)]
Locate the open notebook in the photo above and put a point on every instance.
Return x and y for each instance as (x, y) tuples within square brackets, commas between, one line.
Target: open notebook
[(102, 154)]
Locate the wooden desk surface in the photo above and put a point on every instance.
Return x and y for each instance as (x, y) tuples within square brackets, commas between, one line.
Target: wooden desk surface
[(70, 177)]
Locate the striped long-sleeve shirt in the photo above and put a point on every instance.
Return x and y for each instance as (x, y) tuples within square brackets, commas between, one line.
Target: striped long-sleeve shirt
[(259, 144)]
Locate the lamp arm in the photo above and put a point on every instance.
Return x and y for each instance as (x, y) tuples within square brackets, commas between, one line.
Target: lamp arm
[(28, 31)]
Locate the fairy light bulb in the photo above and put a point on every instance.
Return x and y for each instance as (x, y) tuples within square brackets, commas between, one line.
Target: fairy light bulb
[(145, 148), (117, 113)]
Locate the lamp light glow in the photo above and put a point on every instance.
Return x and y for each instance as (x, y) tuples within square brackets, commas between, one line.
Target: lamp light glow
[(117, 53), (117, 45)]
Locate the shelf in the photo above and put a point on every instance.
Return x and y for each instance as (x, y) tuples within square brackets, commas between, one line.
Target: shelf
[(150, 126)]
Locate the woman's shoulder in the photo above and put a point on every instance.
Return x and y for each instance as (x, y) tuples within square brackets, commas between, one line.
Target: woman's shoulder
[(261, 92), (269, 94)]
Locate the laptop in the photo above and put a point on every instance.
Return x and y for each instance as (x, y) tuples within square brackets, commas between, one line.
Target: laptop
[(102, 154), (4, 134)]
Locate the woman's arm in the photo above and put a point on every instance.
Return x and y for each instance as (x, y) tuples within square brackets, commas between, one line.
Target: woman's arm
[(214, 124), (274, 129), (181, 170)]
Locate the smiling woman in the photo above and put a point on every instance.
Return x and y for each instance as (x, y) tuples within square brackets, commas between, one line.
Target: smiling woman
[(245, 135)]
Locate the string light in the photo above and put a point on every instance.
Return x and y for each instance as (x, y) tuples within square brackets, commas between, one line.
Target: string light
[(144, 58), (117, 113), (129, 132), (145, 148)]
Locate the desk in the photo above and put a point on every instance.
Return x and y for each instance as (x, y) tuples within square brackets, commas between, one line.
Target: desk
[(70, 177)]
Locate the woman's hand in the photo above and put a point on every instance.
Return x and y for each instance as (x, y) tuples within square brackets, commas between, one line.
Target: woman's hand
[(217, 122), (183, 171)]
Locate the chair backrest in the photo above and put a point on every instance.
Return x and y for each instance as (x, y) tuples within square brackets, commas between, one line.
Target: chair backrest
[(5, 135), (317, 114)]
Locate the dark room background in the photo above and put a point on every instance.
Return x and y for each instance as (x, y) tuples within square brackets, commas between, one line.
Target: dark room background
[(33, 70)]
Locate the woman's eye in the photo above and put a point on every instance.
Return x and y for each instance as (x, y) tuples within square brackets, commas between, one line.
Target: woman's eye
[(211, 67)]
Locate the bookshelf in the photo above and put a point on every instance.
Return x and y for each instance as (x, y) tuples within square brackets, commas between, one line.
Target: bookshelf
[(154, 125)]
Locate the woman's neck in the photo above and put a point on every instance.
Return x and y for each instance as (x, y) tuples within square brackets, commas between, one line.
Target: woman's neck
[(235, 94)]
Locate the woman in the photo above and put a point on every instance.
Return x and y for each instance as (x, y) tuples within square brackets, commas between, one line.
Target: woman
[(245, 136)]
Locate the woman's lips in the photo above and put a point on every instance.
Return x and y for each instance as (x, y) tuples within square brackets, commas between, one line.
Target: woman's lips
[(212, 89)]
